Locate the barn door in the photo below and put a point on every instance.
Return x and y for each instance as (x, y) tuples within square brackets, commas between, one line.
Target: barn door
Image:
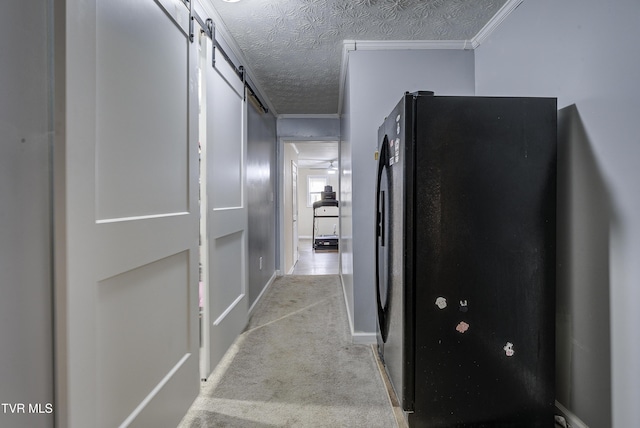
[(226, 304), (126, 210)]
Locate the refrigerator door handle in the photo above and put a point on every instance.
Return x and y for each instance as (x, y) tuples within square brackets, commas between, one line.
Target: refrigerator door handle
[(380, 195), (381, 219), (380, 239)]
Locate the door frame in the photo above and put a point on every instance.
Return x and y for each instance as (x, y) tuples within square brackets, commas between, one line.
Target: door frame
[(281, 186), (295, 211)]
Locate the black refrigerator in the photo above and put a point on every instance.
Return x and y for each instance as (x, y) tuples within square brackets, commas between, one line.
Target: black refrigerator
[(465, 259)]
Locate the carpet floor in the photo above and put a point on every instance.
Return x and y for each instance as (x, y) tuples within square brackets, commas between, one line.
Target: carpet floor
[(295, 366)]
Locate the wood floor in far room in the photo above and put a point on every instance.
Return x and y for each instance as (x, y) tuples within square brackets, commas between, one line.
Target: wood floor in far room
[(313, 262)]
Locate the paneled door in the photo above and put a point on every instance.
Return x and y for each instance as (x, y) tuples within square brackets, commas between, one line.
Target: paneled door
[(126, 213), (226, 306)]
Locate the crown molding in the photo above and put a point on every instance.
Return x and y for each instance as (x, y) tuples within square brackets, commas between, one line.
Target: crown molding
[(353, 45), (349, 46), (471, 44), (493, 23), (358, 45), (308, 116)]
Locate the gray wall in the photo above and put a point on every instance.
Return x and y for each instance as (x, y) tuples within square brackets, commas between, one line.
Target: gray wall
[(261, 191), (585, 53), (26, 356), (376, 82), (308, 127), (346, 199)]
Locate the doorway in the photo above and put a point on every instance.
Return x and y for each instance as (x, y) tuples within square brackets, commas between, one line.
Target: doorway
[(317, 166), (294, 212)]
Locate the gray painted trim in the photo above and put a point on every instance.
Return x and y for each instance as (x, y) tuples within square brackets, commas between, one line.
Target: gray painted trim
[(264, 289), (346, 304)]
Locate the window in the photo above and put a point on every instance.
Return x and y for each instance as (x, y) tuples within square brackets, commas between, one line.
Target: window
[(315, 186)]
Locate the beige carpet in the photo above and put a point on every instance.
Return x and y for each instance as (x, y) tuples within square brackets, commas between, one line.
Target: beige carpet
[(294, 366)]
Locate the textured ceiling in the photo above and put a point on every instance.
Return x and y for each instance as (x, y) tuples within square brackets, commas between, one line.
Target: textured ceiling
[(294, 47)]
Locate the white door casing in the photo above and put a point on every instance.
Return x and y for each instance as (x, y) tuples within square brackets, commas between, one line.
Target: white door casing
[(126, 213), (226, 308), (294, 210)]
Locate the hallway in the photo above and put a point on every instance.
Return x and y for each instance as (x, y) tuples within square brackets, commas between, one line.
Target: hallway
[(295, 366)]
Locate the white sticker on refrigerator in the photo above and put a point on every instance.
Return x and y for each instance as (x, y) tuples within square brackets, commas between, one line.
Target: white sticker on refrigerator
[(441, 302), (398, 150), (508, 349)]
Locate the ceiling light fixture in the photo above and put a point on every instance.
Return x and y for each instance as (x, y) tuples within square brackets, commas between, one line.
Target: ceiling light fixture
[(332, 169)]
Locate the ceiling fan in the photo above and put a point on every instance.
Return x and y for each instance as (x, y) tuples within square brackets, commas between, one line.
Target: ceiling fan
[(323, 165)]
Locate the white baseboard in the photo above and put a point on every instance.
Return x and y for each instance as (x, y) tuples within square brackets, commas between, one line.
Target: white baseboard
[(357, 338), (362, 338), (573, 420)]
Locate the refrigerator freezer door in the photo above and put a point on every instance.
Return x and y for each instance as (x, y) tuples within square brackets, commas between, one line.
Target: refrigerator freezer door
[(485, 191)]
